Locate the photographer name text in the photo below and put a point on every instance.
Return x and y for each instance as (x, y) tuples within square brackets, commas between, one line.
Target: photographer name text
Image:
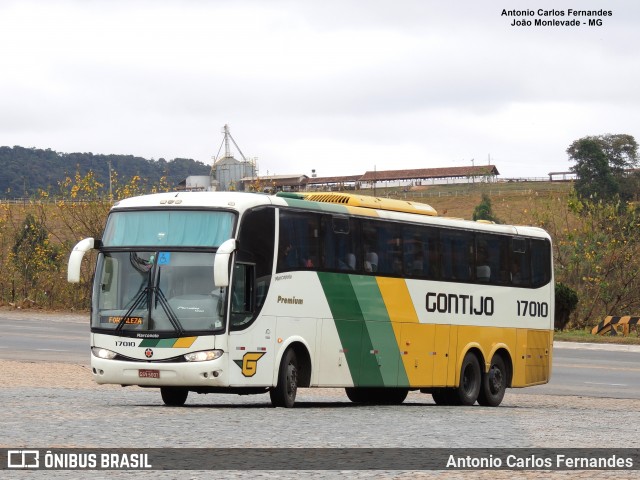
[(556, 18)]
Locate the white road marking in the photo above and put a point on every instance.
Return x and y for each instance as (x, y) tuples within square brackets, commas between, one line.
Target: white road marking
[(608, 384)]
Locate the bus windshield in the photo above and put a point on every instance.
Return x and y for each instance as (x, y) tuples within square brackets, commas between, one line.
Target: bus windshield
[(156, 291), (193, 228)]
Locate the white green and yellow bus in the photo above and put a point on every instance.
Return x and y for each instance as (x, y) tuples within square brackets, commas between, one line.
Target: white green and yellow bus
[(225, 292)]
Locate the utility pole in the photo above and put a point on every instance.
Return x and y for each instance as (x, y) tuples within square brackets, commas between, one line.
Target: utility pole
[(110, 186), (374, 181)]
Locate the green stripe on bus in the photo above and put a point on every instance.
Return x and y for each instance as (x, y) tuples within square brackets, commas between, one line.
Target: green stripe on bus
[(349, 321), (380, 330), (365, 330), (158, 342), (321, 207)]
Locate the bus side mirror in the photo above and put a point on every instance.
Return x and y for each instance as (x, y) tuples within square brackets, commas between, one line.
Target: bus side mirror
[(75, 259), (221, 263)]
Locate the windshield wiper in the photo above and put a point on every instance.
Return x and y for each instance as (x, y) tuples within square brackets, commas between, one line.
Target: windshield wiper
[(137, 301), (175, 323), (169, 311)]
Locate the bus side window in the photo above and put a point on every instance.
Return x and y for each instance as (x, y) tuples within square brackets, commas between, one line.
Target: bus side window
[(540, 262), (370, 246), (457, 259), (299, 239), (390, 256), (414, 257), (492, 258), (520, 265), (339, 243)]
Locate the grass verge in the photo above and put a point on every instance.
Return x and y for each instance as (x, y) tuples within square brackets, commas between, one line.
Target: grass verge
[(586, 337)]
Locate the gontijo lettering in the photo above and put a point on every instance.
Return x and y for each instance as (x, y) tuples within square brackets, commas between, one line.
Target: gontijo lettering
[(465, 304)]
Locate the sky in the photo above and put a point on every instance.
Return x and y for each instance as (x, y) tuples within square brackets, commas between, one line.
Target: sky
[(336, 86)]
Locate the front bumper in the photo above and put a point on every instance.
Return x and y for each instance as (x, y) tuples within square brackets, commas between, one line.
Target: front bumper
[(211, 373)]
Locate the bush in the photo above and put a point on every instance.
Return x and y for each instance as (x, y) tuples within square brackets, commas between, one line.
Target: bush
[(566, 302)]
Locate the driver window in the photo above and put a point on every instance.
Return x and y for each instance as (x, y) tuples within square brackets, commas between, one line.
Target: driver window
[(242, 296)]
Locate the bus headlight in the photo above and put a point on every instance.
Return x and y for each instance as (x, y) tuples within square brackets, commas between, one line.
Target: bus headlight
[(203, 356), (103, 353)]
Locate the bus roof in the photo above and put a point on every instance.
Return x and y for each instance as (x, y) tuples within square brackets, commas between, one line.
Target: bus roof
[(330, 202), (233, 200), (365, 201)]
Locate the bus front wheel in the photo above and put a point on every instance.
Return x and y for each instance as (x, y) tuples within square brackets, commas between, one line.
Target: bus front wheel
[(494, 383), (174, 396), (284, 393), (356, 395)]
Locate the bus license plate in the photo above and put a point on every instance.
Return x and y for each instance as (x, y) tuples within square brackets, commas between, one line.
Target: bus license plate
[(149, 373)]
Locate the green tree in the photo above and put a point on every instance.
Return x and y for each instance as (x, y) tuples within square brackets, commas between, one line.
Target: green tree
[(596, 254), (26, 171), (484, 210), (33, 253), (602, 164)]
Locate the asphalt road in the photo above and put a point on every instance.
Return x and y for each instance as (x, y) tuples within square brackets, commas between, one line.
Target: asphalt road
[(607, 371), (44, 337)]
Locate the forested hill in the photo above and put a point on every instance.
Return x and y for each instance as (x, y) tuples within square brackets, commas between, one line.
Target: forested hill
[(28, 170)]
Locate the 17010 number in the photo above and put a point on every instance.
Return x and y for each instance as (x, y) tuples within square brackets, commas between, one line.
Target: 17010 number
[(532, 309)]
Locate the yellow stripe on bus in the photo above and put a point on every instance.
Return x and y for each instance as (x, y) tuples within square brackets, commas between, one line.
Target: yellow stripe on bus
[(397, 300), (413, 338), (185, 342)]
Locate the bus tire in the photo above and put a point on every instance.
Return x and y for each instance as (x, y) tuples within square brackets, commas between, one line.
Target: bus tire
[(470, 381), (356, 395), (284, 393), (444, 396), (494, 383), (174, 396), (391, 396), (377, 395)]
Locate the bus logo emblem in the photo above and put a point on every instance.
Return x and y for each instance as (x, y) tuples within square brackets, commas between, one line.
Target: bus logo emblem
[(148, 353), (249, 363)]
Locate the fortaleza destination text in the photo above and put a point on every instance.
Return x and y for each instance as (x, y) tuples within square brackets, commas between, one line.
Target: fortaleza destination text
[(556, 18)]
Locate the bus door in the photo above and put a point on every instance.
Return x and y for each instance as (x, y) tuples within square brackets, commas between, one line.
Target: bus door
[(251, 339), (252, 354)]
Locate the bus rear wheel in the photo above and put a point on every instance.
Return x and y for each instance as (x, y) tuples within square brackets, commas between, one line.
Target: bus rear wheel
[(494, 383), (444, 396), (284, 393), (174, 396), (470, 381)]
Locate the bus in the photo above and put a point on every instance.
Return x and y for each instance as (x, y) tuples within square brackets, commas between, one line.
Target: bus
[(247, 293)]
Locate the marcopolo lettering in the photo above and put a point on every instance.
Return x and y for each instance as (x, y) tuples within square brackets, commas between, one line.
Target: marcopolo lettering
[(461, 304)]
